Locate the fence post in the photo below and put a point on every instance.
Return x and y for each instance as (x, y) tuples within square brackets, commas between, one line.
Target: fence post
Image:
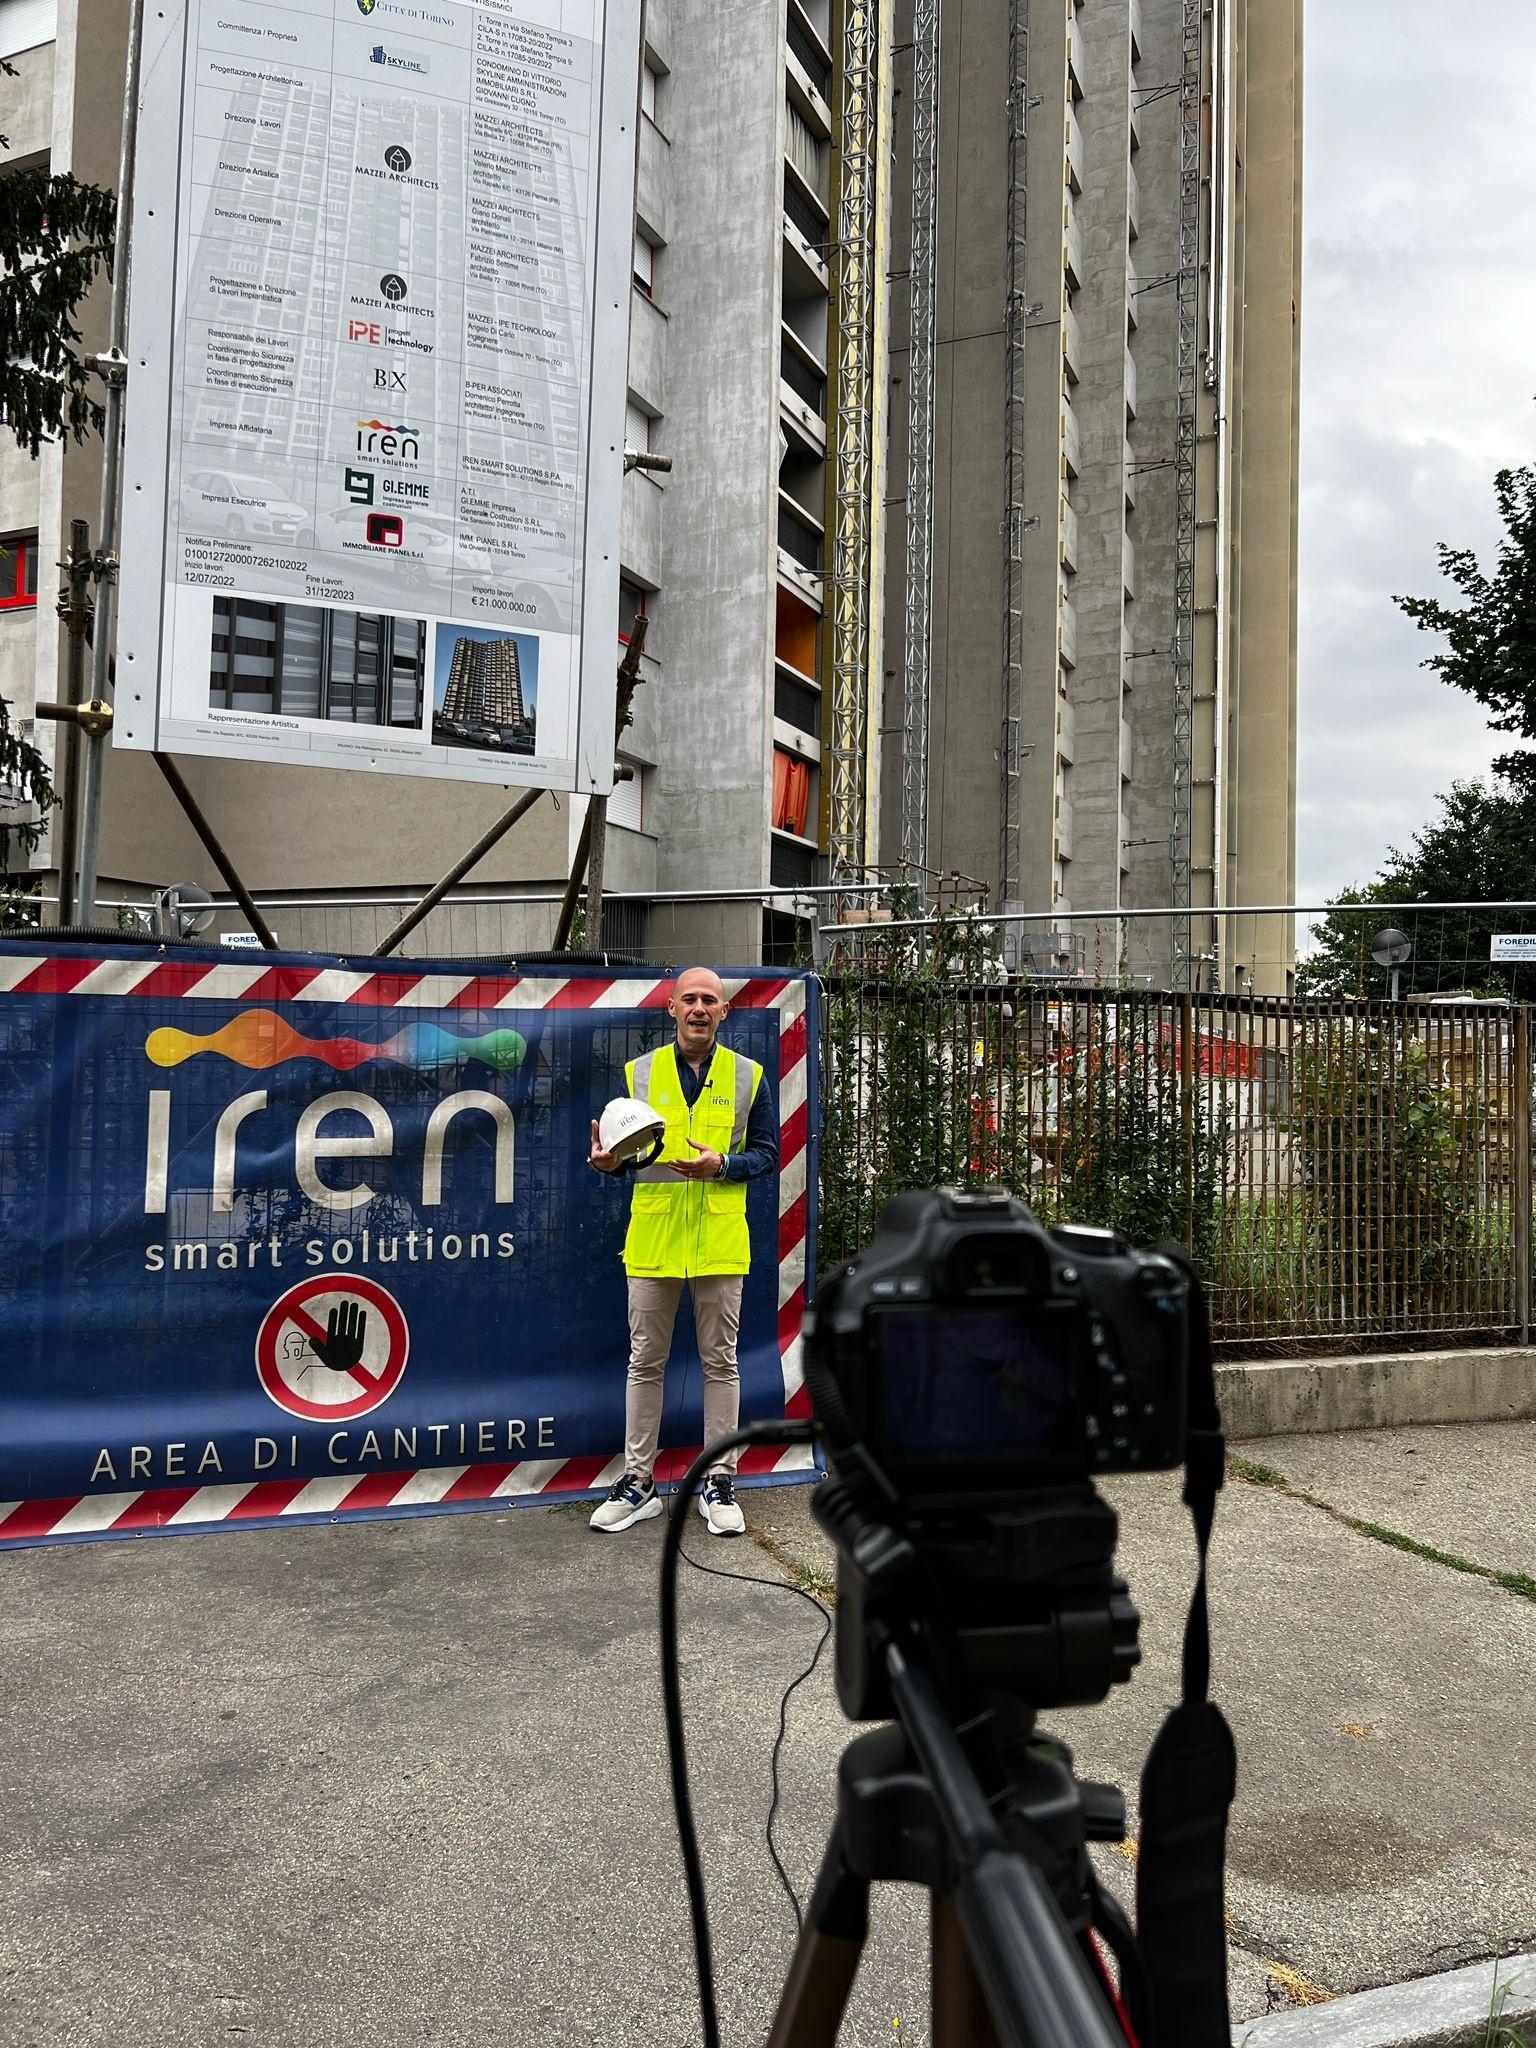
[(1187, 1106), (1520, 1118)]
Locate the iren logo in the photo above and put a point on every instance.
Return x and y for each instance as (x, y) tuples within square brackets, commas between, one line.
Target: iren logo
[(383, 441)]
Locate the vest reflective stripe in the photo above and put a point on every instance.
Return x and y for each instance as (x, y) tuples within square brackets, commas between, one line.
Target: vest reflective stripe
[(679, 1228)]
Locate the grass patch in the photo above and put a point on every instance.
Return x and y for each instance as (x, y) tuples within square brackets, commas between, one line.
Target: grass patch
[(1521, 1584), (805, 1578)]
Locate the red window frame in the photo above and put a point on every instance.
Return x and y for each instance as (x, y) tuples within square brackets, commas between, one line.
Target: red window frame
[(18, 571)]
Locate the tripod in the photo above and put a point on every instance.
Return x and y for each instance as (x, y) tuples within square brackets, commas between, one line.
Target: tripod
[(1008, 1970)]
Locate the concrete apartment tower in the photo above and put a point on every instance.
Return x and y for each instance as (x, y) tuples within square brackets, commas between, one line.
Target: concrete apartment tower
[(1113, 647), (732, 373)]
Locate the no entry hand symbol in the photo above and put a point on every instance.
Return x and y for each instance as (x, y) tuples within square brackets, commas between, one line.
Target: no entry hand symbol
[(344, 1365)]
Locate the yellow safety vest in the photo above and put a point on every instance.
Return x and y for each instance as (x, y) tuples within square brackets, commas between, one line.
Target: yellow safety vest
[(679, 1228)]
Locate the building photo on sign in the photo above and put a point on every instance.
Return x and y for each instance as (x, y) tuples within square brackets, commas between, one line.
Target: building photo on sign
[(486, 693)]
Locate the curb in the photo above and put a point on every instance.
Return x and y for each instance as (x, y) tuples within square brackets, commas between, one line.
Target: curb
[(1391, 1390), (1450, 2011)]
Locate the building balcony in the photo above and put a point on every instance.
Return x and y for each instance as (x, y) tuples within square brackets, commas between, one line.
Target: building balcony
[(1064, 832), (1068, 537), (1076, 75), (796, 700), (648, 352), (1066, 730), (803, 390), (1072, 247), (1127, 751), (1067, 618), (1128, 565), (1132, 203), (1130, 385), (1071, 439), (1132, 287), (1071, 345), (653, 181), (1137, 33), (1076, 157), (808, 54), (1132, 480), (801, 545)]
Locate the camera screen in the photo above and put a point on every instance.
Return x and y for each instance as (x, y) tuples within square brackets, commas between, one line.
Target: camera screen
[(977, 1383)]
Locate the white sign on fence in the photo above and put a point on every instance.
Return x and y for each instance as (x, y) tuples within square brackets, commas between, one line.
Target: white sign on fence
[(376, 406), (1512, 946)]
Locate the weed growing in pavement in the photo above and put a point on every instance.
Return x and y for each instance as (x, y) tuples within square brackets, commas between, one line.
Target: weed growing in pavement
[(1521, 1584), (1497, 2034)]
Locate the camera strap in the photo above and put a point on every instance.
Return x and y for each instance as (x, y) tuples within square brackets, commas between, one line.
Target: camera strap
[(1190, 1778)]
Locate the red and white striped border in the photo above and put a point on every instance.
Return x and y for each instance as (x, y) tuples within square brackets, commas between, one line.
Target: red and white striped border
[(439, 1486)]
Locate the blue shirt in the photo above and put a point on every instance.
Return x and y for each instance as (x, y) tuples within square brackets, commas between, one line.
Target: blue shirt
[(762, 1148)]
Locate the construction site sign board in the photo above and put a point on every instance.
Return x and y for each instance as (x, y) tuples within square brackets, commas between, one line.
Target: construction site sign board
[(379, 328), (1512, 946)]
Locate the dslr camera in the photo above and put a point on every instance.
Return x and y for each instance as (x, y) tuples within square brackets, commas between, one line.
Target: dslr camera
[(972, 1373)]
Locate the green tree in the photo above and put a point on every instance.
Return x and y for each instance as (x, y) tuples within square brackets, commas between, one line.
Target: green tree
[(1490, 637), (55, 239), (1481, 848)]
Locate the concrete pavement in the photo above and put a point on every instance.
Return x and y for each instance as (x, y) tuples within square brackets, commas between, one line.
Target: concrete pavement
[(404, 1781)]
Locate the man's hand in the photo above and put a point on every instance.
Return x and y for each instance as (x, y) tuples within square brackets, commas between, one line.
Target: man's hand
[(605, 1162), (706, 1167)]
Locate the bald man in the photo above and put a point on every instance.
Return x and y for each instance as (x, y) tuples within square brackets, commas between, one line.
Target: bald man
[(688, 1228)]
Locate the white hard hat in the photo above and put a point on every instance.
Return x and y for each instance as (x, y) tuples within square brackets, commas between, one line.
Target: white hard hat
[(627, 1128)]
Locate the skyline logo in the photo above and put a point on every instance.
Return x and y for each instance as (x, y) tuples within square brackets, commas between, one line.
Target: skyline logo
[(393, 60), (386, 443)]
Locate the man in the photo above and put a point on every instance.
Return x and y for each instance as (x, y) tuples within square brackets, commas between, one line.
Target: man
[(688, 1227)]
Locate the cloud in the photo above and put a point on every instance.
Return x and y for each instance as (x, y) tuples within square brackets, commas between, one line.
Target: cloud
[(1419, 299)]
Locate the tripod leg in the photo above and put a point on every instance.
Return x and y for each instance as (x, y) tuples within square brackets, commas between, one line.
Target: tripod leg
[(961, 2018), (826, 1957)]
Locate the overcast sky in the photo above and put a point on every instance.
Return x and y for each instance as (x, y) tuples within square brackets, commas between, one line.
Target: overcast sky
[(1418, 382)]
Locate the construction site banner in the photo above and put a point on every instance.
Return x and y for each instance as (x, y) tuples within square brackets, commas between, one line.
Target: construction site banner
[(282, 1238), (379, 327)]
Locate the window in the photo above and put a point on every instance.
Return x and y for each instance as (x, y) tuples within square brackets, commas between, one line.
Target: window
[(632, 603), (637, 428), (805, 149), (644, 263), (18, 572), (649, 79)]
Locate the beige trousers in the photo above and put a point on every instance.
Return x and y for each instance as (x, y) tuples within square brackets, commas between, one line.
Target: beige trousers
[(652, 1313)]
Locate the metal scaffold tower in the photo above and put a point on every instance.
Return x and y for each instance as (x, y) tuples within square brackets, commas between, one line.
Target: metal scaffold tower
[(1182, 824), (918, 640), (1009, 748), (855, 290)]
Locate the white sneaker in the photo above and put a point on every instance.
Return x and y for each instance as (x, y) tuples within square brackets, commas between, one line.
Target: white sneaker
[(631, 1500), (717, 1504)]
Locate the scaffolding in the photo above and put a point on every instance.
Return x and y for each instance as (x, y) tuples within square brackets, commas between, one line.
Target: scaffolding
[(1016, 202), (853, 483), (918, 622), (1182, 819)]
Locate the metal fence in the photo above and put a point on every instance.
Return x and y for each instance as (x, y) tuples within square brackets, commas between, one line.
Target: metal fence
[(1342, 1170)]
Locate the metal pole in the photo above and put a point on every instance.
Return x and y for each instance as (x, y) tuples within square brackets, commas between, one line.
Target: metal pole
[(573, 886), (1520, 1115), (219, 857), (595, 825), (456, 873), (75, 610), (113, 366)]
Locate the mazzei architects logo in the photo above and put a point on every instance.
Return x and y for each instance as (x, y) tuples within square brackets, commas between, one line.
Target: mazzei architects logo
[(395, 169)]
